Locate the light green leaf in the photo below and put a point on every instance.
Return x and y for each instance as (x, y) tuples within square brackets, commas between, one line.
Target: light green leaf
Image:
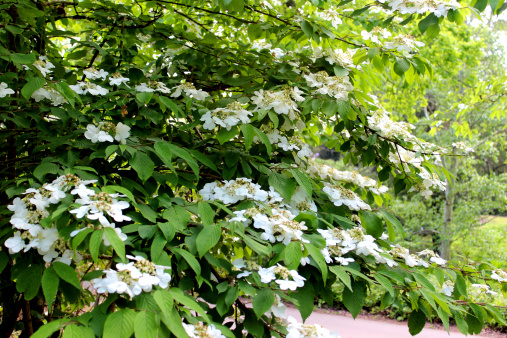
[(95, 241), (293, 255), (206, 213), (33, 84), (342, 275), (354, 299), (145, 325), (264, 139), (189, 302), (208, 238), (164, 301), (173, 322), (48, 329), (248, 134), (120, 324), (45, 168), (372, 223), (194, 264), (116, 242), (319, 259), (284, 185), (142, 164), (68, 274), (263, 301), (50, 281), (303, 180)]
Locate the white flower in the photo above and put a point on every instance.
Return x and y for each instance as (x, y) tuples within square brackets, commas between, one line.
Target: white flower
[(447, 288), (298, 330), (16, 243), (4, 90), (499, 275), (88, 87), (226, 117), (122, 133), (267, 274), (286, 284), (116, 79), (190, 90), (93, 74), (43, 65)]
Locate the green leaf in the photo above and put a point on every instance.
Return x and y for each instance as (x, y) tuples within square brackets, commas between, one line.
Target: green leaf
[(171, 105), (428, 21), (481, 5), (50, 281), (263, 301), (181, 153), (254, 245), (401, 66), (189, 302), (194, 264), (433, 31), (173, 323), (264, 139), (206, 213), (303, 180), (116, 242), (168, 230), (164, 301), (248, 134), (307, 28), (29, 281), (70, 95), (319, 259), (372, 223), (390, 218), (416, 322), (284, 185), (354, 300), (225, 135), (147, 212), (95, 241), (120, 324), (33, 84), (293, 255), (116, 188), (342, 275), (24, 59), (208, 238), (68, 274), (48, 329), (144, 97), (142, 164), (45, 168), (203, 159), (145, 325), (385, 283), (305, 297)]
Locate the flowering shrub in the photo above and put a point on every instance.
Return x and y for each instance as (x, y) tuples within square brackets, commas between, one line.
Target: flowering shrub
[(157, 156)]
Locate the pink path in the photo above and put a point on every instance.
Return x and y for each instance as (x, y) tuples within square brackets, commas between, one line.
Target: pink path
[(347, 327)]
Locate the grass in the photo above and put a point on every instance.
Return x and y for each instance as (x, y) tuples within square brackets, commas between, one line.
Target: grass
[(486, 243)]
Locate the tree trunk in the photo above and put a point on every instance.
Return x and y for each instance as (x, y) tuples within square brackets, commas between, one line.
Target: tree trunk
[(446, 230)]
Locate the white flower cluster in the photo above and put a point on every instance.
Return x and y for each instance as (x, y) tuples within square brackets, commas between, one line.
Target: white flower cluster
[(104, 132), (280, 226), (190, 91), (226, 117), (50, 94), (5, 90), (403, 42), (202, 331), (299, 330), (233, 191), (499, 275), (43, 65), (334, 86), (287, 279), (437, 7), (283, 102), (337, 57), (83, 88), (326, 172), (261, 44), (330, 15), (30, 210), (463, 146), (413, 260), (384, 126), (96, 206), (483, 288), (152, 86), (341, 196), (133, 278), (94, 74), (291, 143), (447, 288), (375, 34), (117, 79), (340, 242)]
